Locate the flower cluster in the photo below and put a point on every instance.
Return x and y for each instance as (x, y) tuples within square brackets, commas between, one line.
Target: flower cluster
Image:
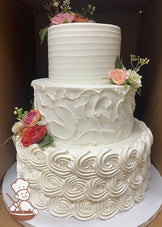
[(60, 12), (20, 114), (121, 76), (62, 18), (29, 128)]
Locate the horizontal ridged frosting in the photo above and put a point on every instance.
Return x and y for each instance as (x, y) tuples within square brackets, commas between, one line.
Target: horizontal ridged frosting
[(82, 53)]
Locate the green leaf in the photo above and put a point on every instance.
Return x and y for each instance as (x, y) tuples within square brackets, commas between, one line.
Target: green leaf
[(65, 21), (43, 34), (125, 86), (9, 138), (46, 141), (118, 63), (139, 91)]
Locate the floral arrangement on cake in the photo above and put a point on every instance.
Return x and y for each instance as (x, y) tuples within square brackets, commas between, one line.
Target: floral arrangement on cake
[(121, 76), (30, 129), (60, 12)]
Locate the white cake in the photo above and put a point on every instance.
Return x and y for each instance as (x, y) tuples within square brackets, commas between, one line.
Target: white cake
[(82, 53), (99, 163)]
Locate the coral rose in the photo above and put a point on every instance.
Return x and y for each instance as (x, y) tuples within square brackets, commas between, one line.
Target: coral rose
[(79, 18), (33, 135), (32, 118), (62, 18), (22, 130), (118, 76)]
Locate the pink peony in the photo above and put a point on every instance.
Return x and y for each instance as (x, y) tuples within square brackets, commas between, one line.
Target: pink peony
[(118, 76), (62, 18), (32, 118)]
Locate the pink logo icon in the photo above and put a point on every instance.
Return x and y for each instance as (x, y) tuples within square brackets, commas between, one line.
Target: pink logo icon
[(21, 209)]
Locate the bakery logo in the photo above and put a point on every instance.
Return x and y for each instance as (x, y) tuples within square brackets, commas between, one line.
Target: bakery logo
[(22, 209)]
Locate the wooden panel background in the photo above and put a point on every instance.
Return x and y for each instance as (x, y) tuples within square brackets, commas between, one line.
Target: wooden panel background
[(152, 92), (16, 67)]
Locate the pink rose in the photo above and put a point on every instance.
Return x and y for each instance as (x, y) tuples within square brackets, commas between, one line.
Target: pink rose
[(62, 18), (32, 118), (118, 76)]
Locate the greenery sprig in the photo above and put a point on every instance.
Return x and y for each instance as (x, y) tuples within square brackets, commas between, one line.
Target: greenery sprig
[(137, 62), (65, 7), (20, 117), (133, 78), (56, 7), (46, 141), (20, 113), (90, 10)]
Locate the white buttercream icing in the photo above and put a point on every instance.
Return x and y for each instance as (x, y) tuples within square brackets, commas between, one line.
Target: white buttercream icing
[(49, 183), (140, 192), (118, 184), (84, 165), (85, 114), (107, 164), (39, 199), (107, 208), (23, 152), (32, 175), (60, 163), (128, 159), (136, 178), (60, 206), (84, 209), (73, 188), (20, 168), (82, 53), (88, 181), (127, 200), (37, 157), (96, 189)]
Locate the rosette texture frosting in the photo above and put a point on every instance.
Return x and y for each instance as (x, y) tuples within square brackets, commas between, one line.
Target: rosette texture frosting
[(88, 181)]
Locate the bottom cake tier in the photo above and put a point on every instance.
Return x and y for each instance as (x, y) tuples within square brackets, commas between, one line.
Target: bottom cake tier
[(87, 181)]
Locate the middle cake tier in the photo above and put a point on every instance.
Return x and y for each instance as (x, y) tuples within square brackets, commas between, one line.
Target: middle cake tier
[(81, 115)]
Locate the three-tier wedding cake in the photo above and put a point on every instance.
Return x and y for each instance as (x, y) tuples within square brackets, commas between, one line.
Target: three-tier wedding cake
[(99, 162)]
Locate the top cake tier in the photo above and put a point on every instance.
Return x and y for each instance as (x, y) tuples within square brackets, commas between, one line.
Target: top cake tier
[(82, 53)]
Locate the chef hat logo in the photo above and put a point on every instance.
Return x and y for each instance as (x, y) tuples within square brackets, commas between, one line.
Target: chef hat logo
[(19, 185)]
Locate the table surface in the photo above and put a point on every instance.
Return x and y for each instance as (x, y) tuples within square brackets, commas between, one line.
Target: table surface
[(7, 221)]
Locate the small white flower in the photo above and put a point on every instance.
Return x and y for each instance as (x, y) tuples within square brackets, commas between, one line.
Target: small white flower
[(128, 72), (16, 127), (93, 8), (56, 4), (134, 78), (137, 83), (66, 2), (91, 21), (42, 122)]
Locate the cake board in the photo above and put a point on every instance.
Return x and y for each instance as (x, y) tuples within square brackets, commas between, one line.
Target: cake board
[(141, 214)]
